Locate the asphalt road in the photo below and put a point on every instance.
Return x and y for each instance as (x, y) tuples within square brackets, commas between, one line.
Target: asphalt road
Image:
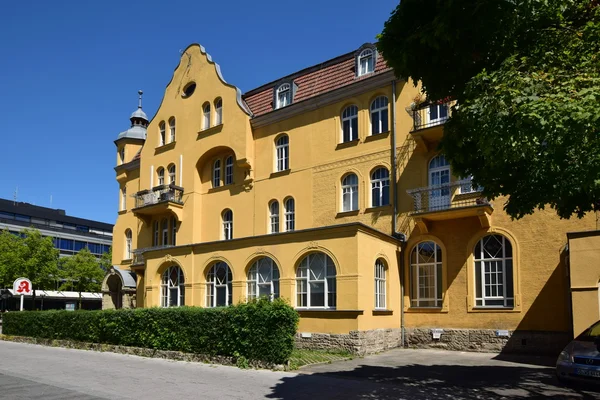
[(37, 372)]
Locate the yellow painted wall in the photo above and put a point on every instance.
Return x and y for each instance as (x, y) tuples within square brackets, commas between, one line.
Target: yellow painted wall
[(584, 254)]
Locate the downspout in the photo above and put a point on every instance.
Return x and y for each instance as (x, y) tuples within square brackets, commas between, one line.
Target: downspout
[(400, 236)]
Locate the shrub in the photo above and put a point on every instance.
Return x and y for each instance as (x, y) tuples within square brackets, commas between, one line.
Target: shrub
[(259, 330)]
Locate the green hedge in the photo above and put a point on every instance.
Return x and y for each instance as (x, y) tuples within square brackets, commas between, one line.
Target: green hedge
[(259, 330)]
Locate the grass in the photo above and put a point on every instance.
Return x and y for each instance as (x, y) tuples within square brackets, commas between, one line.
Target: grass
[(301, 357)]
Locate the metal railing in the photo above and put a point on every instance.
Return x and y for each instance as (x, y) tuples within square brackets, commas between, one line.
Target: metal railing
[(430, 114), (159, 194), (447, 196), (138, 254)]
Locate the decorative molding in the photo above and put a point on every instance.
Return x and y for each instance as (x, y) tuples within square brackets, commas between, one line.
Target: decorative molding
[(351, 161), (422, 224), (260, 251), (313, 245)]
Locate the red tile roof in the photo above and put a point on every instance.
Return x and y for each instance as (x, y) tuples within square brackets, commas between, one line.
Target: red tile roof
[(313, 81)]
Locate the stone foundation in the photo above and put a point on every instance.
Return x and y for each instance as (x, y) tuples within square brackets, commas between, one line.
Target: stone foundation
[(487, 340), (356, 342)]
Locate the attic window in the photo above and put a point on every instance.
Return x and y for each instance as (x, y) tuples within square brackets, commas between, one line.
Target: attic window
[(366, 62), (188, 90), (283, 95)]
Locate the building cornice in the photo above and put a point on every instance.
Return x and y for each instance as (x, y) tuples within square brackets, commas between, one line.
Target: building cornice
[(130, 166), (356, 88)]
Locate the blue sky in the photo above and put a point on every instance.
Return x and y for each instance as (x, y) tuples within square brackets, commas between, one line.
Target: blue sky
[(71, 69)]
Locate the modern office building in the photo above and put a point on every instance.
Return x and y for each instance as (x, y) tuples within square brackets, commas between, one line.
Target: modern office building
[(70, 234), (326, 187)]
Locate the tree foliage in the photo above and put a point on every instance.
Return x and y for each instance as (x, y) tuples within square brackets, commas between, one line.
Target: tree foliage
[(526, 78), (83, 272)]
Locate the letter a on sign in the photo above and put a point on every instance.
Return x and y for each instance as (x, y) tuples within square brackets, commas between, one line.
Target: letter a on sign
[(22, 286)]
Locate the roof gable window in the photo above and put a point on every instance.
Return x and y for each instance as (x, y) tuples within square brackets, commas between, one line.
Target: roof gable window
[(366, 59)]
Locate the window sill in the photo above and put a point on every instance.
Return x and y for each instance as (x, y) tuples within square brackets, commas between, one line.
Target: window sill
[(219, 188), (343, 214), (210, 131), (127, 261), (386, 207), (345, 145), (430, 310), (164, 147), (494, 310), (121, 212), (383, 312), (377, 136), (280, 173)]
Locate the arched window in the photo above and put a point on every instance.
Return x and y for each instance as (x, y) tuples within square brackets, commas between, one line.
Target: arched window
[(426, 275), (172, 174), (216, 180), (227, 224), (156, 234), (206, 112), (282, 153), (315, 282), (122, 155), (350, 124), (218, 285), (218, 111), (229, 170), (283, 95), (380, 285), (172, 129), (172, 287), (124, 198), (366, 62), (128, 249), (263, 279), (161, 133), (274, 216), (174, 231), (161, 176), (350, 193), (290, 214), (380, 187), (379, 115), (494, 272), (164, 226)]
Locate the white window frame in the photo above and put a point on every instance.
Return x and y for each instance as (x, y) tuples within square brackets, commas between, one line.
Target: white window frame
[(490, 263), (283, 95), (349, 115), (128, 244), (305, 276), (416, 273), (212, 285), (218, 111), (206, 119), (166, 285), (164, 227), (161, 176), (368, 56), (122, 155), (124, 198), (229, 170), (162, 133), (282, 153), (216, 173), (172, 174), (290, 214), (174, 231), (467, 188), (256, 279), (377, 186), (379, 106), (227, 218), (274, 217), (380, 284), (156, 234), (172, 129), (350, 190)]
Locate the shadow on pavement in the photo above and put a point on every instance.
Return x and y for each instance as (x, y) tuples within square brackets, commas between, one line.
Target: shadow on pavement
[(430, 382), (542, 361)]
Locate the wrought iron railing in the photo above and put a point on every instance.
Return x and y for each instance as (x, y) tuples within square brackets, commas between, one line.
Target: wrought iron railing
[(138, 254), (159, 194), (430, 114), (447, 196)]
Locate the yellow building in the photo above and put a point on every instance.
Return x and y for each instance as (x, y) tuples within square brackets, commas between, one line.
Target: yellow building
[(325, 188)]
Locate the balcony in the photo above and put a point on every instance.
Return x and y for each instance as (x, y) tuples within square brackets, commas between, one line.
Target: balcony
[(161, 199), (138, 255), (449, 201), (428, 121)]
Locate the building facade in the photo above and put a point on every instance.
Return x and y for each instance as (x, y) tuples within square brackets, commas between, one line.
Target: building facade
[(325, 187)]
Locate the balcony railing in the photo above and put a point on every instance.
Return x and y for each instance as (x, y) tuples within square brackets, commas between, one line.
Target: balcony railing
[(138, 254), (159, 194), (430, 114), (447, 196)]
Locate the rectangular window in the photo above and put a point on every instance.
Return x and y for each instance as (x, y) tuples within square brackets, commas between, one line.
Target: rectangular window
[(174, 232), (22, 218), (67, 244)]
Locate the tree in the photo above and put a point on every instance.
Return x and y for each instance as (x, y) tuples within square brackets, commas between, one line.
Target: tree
[(526, 78), (106, 260), (38, 260), (11, 249), (84, 272)]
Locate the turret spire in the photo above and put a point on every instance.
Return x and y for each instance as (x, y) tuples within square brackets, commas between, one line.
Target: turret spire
[(140, 92)]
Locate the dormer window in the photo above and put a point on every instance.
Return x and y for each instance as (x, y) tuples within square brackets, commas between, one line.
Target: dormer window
[(283, 95), (366, 62)]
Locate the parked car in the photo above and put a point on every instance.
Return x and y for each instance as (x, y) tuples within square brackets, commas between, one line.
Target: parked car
[(580, 360)]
